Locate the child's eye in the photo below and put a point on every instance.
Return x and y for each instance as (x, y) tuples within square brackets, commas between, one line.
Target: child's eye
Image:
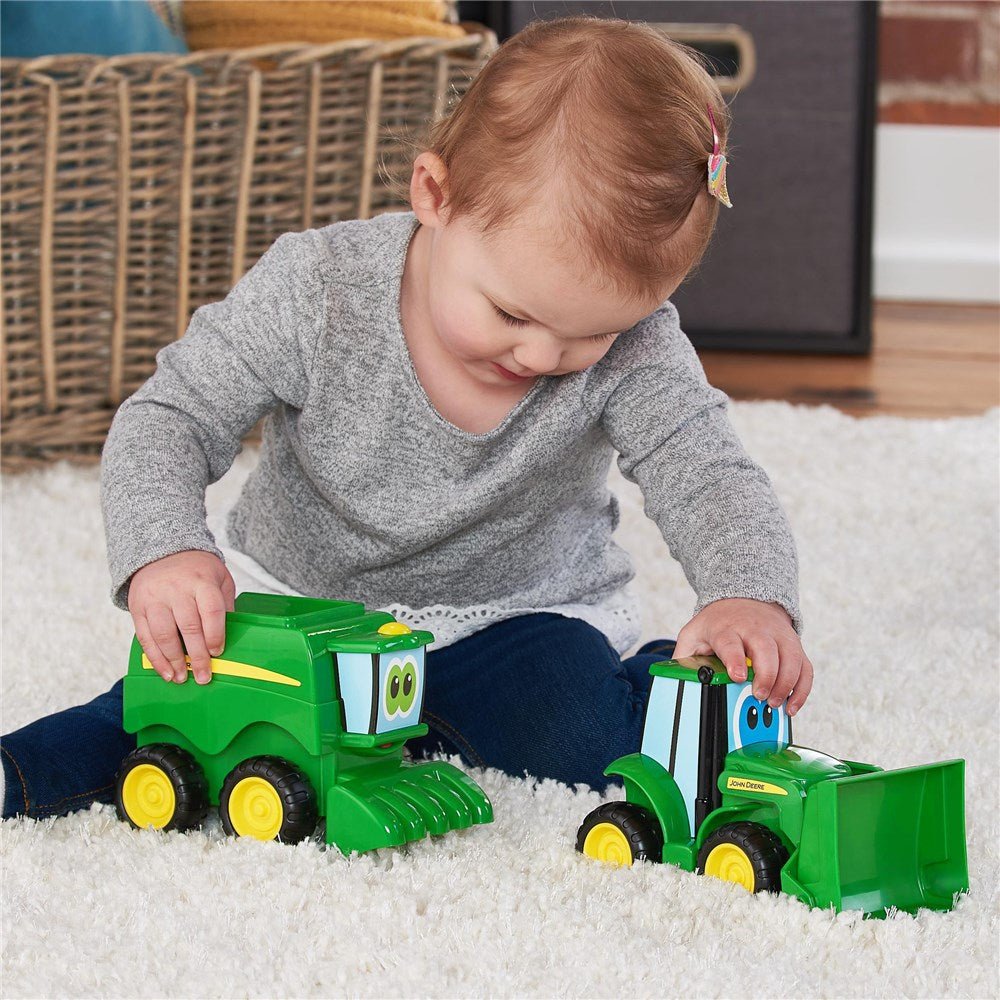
[(508, 319), (600, 338)]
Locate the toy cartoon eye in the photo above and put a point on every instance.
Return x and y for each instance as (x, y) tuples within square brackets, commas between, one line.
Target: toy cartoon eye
[(409, 692), (400, 688), (754, 721)]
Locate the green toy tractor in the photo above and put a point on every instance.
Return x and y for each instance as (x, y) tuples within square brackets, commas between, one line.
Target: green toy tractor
[(718, 787), (305, 718)]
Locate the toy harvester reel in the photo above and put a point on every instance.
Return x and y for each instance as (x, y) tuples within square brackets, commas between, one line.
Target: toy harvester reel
[(719, 788), (305, 718)]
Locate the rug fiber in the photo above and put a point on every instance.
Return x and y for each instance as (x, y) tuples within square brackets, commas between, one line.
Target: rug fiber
[(897, 528)]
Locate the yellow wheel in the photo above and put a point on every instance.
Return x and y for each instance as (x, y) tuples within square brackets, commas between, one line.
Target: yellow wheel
[(747, 854), (607, 843), (730, 863), (148, 796), (620, 833), (268, 798), (255, 809), (161, 786)]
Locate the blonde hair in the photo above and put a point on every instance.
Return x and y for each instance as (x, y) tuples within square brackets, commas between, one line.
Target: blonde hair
[(620, 112)]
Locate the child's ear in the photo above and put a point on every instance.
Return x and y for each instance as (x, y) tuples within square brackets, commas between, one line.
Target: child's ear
[(429, 190)]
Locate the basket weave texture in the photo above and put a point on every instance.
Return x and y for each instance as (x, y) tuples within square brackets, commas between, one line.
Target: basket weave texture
[(137, 188)]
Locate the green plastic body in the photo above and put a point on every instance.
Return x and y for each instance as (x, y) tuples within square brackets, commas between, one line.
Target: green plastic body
[(275, 692), (858, 837)]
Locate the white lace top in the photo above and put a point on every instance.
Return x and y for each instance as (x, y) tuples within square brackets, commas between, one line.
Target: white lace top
[(617, 617)]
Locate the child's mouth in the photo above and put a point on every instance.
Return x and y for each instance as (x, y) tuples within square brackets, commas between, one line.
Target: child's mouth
[(509, 375)]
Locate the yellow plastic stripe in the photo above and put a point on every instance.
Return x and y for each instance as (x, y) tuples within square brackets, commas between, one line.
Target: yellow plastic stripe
[(233, 668), (751, 785)]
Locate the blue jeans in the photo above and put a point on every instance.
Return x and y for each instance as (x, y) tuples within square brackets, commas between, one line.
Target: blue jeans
[(541, 695)]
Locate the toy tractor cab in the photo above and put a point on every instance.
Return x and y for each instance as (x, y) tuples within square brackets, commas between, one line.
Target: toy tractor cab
[(718, 787)]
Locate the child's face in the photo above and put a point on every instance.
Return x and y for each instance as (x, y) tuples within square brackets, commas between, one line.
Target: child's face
[(508, 307)]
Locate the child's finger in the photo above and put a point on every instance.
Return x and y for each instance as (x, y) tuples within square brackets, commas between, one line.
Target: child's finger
[(188, 617), (212, 609), (201, 661), (229, 591), (164, 642), (158, 661), (803, 685), (790, 665), (731, 651), (690, 642), (763, 655)]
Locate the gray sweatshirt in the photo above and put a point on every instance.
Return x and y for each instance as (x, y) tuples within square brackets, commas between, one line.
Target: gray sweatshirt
[(364, 492)]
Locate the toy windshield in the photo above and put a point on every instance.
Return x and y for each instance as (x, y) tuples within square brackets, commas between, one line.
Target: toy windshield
[(381, 692)]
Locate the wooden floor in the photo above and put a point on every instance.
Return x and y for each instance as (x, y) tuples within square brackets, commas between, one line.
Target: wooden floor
[(928, 360)]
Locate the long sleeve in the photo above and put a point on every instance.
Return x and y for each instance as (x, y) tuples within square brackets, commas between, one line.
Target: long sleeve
[(240, 358), (714, 506)]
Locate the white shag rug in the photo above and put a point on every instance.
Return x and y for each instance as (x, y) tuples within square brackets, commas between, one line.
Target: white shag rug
[(897, 528)]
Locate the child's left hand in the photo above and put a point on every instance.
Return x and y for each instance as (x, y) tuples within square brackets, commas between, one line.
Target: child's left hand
[(737, 629)]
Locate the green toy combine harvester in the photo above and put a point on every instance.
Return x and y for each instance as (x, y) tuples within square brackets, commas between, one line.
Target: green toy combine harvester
[(304, 719), (311, 703), (718, 787)]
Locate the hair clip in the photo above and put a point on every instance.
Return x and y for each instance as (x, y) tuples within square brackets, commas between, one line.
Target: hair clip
[(717, 167)]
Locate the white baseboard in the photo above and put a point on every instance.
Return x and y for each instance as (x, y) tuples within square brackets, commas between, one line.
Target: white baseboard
[(937, 213)]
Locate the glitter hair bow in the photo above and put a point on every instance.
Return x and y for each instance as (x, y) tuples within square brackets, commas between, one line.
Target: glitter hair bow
[(717, 168)]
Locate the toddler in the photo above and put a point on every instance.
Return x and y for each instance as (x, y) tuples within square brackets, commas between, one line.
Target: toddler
[(445, 390)]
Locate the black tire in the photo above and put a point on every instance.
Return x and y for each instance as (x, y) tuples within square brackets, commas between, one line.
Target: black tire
[(764, 852), (185, 776), (293, 795), (640, 833)]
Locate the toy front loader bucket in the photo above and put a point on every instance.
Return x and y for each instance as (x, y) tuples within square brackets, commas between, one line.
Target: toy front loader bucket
[(883, 839), (407, 804)]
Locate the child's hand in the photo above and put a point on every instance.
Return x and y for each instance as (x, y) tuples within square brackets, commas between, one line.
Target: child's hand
[(736, 629), (186, 594)]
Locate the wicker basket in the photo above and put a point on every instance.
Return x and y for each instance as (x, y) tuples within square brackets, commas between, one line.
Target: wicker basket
[(137, 188), (239, 23)]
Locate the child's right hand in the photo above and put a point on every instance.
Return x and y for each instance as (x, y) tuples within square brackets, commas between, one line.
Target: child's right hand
[(184, 595)]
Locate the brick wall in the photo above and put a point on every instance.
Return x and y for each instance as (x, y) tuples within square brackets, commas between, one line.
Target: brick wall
[(939, 62)]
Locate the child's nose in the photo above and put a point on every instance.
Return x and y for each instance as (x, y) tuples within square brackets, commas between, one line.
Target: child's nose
[(541, 354)]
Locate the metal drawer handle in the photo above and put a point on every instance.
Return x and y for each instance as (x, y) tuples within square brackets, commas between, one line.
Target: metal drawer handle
[(728, 48)]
